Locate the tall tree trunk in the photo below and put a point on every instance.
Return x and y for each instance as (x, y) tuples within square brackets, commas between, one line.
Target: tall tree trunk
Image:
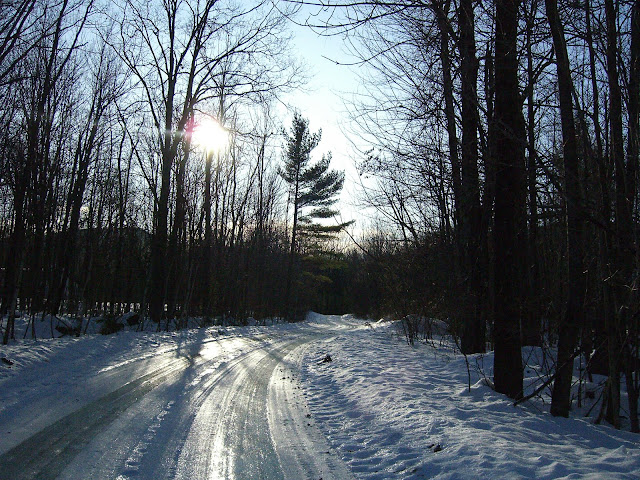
[(531, 326), (633, 151), (290, 303), (260, 235), (623, 224), (509, 203), (121, 285), (441, 9), (159, 240), (489, 193), (208, 240), (176, 254), (473, 327), (574, 316), (604, 184)]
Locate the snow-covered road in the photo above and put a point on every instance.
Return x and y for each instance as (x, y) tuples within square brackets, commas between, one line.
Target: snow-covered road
[(259, 403), (208, 407)]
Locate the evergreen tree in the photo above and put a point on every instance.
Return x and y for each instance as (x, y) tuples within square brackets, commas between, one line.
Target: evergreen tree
[(314, 190)]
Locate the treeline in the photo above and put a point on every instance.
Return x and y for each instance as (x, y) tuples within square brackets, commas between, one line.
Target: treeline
[(113, 197), (504, 159)]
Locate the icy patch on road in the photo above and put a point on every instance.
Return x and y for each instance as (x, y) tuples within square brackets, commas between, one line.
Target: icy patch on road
[(396, 411)]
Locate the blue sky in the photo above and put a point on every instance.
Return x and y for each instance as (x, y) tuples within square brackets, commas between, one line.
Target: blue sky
[(322, 102)]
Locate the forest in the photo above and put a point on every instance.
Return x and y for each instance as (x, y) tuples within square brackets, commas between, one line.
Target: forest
[(498, 153)]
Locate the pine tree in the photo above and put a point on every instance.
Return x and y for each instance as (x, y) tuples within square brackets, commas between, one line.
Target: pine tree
[(314, 190)]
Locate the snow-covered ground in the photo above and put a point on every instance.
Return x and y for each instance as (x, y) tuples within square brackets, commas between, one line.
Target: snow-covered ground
[(386, 409), (399, 411)]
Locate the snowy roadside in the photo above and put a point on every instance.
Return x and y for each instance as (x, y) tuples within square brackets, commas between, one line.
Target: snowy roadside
[(396, 411)]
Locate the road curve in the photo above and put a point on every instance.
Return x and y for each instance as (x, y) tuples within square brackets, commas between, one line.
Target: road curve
[(194, 417)]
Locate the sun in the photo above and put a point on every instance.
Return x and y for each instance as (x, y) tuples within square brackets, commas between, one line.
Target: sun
[(210, 135)]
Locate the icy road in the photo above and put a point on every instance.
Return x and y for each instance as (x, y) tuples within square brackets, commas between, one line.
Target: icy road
[(259, 403), (208, 406)]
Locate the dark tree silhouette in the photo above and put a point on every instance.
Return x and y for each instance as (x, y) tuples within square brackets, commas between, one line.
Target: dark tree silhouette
[(509, 203), (314, 189), (574, 317)]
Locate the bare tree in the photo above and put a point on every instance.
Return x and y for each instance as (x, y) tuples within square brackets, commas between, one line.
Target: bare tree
[(35, 170), (176, 50), (23, 26), (574, 319), (106, 87)]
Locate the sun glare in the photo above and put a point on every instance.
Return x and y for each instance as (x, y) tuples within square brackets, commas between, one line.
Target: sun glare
[(210, 135)]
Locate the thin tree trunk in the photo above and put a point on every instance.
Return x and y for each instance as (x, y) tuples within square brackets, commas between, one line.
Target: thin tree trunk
[(176, 255), (488, 195), (441, 8), (291, 271), (623, 223), (208, 240), (574, 316), (604, 181), (531, 331), (159, 242), (631, 187)]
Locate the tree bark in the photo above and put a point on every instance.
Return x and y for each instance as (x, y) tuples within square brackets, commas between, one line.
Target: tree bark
[(633, 151), (623, 224), (473, 326), (440, 9), (574, 316), (531, 326), (509, 203)]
